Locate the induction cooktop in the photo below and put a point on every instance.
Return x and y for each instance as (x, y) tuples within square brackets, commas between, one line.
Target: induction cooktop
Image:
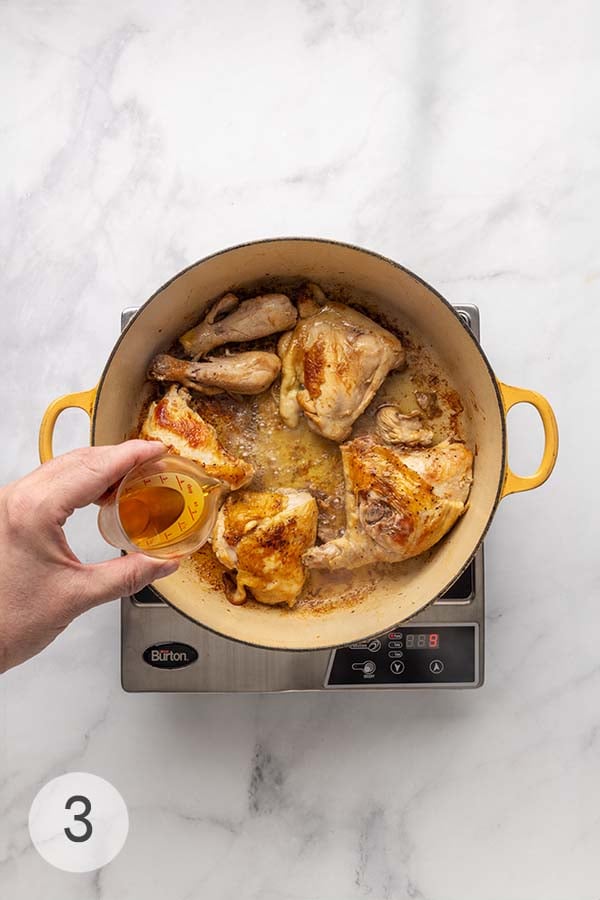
[(442, 647)]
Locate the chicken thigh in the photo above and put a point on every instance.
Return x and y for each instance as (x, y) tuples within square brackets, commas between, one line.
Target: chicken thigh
[(180, 428), (333, 363), (397, 504), (262, 536)]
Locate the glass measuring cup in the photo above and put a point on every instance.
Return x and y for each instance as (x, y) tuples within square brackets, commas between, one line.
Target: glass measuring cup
[(166, 507)]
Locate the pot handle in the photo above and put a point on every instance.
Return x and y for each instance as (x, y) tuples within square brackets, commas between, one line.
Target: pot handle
[(83, 400), (515, 483)]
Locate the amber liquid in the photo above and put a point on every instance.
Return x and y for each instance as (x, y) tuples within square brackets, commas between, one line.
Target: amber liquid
[(149, 510)]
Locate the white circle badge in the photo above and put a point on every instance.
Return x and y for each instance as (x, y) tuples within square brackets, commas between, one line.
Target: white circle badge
[(78, 822)]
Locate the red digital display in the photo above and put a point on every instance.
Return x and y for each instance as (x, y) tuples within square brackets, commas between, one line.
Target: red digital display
[(427, 640)]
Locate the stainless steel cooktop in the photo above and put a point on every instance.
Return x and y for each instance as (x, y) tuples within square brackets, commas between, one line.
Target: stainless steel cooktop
[(441, 647)]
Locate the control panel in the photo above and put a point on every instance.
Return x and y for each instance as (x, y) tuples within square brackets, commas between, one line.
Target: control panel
[(412, 656)]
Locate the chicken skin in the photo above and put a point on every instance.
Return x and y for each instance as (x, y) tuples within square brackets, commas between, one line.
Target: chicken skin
[(397, 504), (231, 321), (447, 467), (173, 421), (262, 536), (241, 373), (333, 363), (395, 427)]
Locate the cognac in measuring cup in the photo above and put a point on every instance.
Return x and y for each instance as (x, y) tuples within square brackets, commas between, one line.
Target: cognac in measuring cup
[(166, 507)]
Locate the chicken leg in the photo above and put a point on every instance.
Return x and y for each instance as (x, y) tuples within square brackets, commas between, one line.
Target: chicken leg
[(242, 373), (245, 321)]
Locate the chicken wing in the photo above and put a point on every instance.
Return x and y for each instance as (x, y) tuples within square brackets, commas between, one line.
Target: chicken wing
[(172, 421), (262, 536), (245, 321), (310, 299), (332, 365), (397, 504), (395, 427), (240, 373)]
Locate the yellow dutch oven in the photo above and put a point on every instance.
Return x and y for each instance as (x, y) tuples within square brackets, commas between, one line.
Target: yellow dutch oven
[(114, 407)]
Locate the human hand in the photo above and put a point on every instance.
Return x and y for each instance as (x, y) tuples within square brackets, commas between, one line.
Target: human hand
[(43, 586)]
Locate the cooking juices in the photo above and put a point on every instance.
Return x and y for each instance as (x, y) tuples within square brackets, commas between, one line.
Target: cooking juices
[(166, 508), (251, 428)]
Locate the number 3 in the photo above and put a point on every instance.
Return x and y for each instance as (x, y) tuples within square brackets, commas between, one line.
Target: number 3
[(80, 817)]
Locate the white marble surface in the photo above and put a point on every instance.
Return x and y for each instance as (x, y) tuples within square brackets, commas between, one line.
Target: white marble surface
[(460, 138)]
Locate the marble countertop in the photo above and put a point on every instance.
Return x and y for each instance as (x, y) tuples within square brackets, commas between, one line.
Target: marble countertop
[(461, 139)]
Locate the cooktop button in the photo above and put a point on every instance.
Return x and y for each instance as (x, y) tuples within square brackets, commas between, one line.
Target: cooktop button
[(436, 667), (397, 667), (367, 668), (374, 645), (395, 654)]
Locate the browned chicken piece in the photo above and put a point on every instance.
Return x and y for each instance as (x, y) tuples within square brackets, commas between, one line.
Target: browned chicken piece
[(262, 537), (240, 373), (332, 365), (447, 467), (172, 421), (397, 504), (310, 299), (229, 320), (395, 427)]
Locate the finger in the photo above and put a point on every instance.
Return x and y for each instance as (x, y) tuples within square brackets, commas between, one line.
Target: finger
[(121, 577), (82, 476)]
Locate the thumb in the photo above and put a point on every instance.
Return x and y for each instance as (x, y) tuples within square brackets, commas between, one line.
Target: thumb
[(123, 576)]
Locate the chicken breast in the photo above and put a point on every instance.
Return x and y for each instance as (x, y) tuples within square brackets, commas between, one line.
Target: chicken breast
[(241, 373), (262, 537), (447, 467), (229, 320), (332, 365), (397, 504), (180, 428)]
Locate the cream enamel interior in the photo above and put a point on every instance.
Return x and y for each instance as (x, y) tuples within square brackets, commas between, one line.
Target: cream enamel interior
[(392, 291)]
